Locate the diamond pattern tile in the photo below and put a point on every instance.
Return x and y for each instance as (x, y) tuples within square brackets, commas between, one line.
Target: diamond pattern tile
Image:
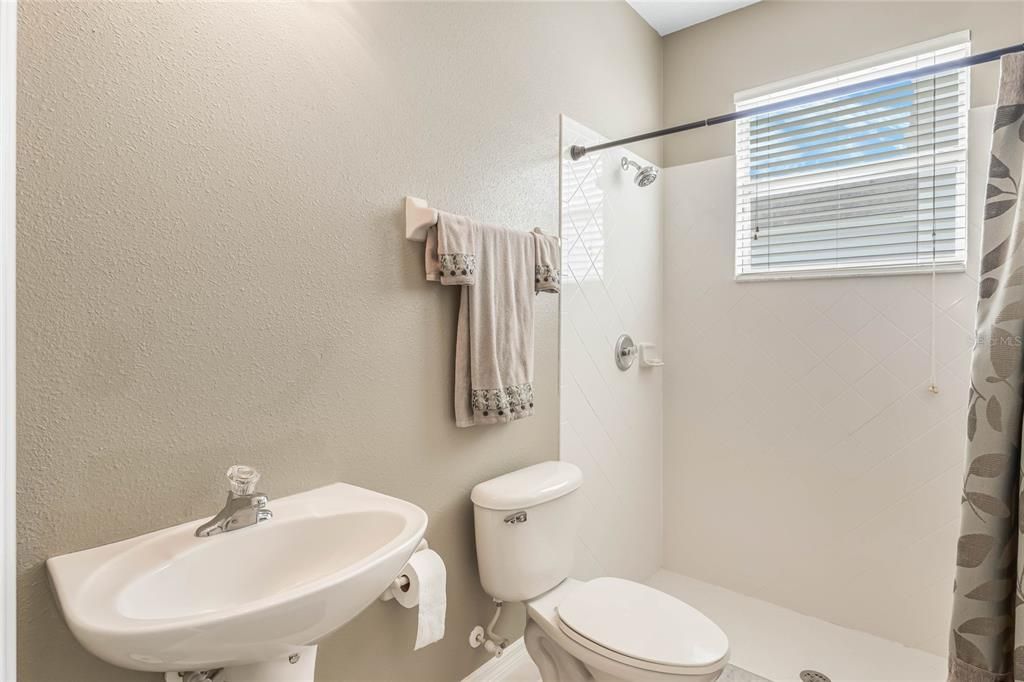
[(880, 337), (611, 421)]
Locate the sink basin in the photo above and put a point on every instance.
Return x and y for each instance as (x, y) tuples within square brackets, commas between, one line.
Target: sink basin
[(169, 601)]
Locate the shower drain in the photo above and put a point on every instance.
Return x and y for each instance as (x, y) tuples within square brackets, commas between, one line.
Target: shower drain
[(813, 676)]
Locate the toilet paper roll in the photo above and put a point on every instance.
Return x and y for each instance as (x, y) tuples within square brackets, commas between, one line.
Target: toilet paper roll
[(427, 581)]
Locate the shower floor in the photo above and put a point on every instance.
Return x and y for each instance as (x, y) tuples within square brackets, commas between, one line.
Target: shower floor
[(775, 643), (778, 643)]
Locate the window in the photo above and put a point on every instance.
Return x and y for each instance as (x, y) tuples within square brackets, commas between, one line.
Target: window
[(867, 182)]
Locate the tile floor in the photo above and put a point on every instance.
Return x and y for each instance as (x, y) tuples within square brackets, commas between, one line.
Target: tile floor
[(527, 672)]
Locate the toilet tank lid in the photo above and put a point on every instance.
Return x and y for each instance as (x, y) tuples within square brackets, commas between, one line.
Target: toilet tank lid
[(528, 487)]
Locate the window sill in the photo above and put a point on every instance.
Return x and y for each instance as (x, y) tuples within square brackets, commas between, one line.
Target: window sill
[(851, 272)]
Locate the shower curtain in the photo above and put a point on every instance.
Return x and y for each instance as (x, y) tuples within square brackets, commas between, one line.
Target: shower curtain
[(986, 645)]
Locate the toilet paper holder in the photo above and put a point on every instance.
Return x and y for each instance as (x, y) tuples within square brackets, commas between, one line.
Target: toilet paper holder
[(401, 583)]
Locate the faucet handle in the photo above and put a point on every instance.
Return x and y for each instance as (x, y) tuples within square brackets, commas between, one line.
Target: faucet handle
[(242, 479)]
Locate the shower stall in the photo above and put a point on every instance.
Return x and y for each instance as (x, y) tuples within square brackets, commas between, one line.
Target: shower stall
[(803, 443)]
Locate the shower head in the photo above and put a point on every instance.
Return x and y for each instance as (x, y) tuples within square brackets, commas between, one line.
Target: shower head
[(645, 175)]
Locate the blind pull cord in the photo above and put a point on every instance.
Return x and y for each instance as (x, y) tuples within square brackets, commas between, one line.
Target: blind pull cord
[(933, 385)]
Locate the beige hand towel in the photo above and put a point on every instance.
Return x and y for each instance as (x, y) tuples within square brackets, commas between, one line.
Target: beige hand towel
[(494, 342), (451, 250), (549, 260)]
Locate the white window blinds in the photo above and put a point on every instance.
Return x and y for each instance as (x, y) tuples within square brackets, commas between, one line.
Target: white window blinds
[(869, 182)]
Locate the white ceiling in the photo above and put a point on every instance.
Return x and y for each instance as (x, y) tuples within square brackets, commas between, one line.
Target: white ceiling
[(668, 16)]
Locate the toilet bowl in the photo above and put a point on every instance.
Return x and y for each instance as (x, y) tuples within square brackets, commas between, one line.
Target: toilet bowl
[(611, 629), (604, 629)]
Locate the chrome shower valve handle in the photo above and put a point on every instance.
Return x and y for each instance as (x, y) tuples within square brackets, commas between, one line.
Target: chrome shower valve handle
[(625, 352)]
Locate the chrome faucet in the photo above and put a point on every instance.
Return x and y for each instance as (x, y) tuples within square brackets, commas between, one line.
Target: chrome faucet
[(245, 507)]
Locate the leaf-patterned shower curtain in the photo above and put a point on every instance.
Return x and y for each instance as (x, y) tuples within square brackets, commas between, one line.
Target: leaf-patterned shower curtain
[(985, 643)]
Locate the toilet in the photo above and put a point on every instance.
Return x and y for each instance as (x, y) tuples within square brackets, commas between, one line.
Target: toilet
[(604, 629)]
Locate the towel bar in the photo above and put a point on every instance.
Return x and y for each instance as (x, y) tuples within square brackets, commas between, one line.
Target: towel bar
[(418, 217)]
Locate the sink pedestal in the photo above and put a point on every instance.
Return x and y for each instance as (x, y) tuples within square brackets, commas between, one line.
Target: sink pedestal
[(296, 668)]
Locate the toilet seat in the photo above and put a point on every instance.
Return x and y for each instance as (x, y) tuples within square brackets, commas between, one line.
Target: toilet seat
[(642, 627)]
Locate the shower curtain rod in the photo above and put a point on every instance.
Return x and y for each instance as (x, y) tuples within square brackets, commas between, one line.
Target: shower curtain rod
[(579, 151)]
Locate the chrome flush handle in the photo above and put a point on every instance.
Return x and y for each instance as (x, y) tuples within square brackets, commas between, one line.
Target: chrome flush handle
[(517, 517)]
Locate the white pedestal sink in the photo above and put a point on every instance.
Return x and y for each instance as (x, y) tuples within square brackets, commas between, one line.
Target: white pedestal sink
[(169, 601)]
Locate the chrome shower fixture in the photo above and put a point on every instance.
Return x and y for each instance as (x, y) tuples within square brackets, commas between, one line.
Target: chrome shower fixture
[(644, 175)]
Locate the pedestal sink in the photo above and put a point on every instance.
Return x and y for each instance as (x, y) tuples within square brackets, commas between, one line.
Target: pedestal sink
[(170, 601)]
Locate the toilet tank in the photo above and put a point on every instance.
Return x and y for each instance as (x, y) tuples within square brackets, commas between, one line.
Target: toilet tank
[(526, 523)]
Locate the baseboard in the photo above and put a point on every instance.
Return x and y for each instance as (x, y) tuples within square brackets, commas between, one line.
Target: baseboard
[(500, 669)]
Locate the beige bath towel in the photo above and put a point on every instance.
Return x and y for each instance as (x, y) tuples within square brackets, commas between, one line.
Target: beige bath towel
[(496, 268), (549, 259)]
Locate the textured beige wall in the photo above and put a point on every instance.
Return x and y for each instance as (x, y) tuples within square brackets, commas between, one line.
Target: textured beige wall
[(705, 65), (212, 268)]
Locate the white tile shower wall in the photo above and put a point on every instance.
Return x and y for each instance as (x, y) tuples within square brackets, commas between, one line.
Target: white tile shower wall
[(610, 420), (806, 463)]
